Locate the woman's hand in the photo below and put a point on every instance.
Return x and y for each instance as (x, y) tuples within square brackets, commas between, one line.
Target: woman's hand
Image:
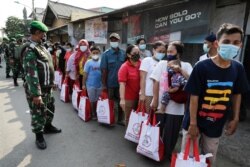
[(176, 68), (154, 104), (142, 97)]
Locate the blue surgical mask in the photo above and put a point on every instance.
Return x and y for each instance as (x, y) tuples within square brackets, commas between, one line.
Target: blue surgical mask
[(114, 44), (171, 57), (142, 46), (228, 51), (205, 48), (159, 56)]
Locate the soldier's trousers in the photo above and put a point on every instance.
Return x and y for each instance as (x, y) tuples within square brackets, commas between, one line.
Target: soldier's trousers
[(17, 69), (43, 114), (8, 68)]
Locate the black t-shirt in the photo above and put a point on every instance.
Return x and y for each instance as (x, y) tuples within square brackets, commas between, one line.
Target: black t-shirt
[(215, 87)]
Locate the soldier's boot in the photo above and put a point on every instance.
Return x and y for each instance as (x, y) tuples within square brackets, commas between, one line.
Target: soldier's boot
[(15, 82), (40, 142), (49, 128)]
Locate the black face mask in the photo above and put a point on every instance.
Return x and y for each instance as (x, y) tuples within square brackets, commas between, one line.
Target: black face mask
[(135, 57), (171, 57)]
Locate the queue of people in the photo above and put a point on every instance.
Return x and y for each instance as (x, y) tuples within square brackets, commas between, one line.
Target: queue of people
[(198, 99)]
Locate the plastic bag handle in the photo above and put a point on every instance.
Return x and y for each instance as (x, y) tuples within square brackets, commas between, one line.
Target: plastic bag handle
[(77, 83), (195, 150), (152, 118), (141, 108), (84, 93), (66, 80), (104, 94)]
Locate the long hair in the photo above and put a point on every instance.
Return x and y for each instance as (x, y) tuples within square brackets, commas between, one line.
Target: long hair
[(129, 50)]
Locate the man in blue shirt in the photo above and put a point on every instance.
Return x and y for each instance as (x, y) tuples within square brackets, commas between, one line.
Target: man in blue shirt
[(111, 61), (215, 88)]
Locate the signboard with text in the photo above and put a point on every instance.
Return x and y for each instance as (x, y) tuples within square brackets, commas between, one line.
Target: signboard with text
[(178, 22)]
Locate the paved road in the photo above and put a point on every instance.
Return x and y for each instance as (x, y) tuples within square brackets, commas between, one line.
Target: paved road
[(79, 145)]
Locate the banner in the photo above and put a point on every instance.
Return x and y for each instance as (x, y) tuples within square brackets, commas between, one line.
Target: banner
[(96, 30), (185, 21)]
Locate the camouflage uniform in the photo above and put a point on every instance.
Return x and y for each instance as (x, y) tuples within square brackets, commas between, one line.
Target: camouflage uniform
[(39, 75), (5, 48), (15, 62)]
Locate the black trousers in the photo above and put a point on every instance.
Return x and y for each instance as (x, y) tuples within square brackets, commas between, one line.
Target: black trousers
[(114, 94), (170, 126)]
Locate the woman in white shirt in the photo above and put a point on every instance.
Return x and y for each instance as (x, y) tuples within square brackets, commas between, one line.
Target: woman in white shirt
[(147, 66), (141, 43), (171, 120)]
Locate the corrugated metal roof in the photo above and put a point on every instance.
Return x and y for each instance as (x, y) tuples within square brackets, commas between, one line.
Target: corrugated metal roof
[(65, 10)]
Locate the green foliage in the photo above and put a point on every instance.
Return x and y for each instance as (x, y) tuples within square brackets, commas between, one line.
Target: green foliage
[(15, 26)]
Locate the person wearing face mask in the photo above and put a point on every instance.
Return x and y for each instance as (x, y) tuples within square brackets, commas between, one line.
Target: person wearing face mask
[(147, 67), (129, 80), (76, 62), (209, 47), (50, 49), (39, 82), (54, 54), (216, 85), (69, 51), (172, 116), (60, 53), (141, 43), (111, 61), (92, 79)]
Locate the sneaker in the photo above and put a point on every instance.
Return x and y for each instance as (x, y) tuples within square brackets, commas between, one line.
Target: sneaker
[(51, 129)]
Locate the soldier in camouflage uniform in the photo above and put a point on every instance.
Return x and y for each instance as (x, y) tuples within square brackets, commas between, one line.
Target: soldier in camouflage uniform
[(15, 62), (1, 53), (39, 75), (5, 48)]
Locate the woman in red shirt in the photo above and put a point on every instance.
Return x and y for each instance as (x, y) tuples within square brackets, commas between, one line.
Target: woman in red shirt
[(129, 80)]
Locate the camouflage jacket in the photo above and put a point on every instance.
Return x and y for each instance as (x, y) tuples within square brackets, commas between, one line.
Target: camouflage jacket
[(5, 49), (38, 68), (12, 49)]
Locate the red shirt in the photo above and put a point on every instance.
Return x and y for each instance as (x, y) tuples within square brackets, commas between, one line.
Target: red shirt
[(130, 74), (67, 55)]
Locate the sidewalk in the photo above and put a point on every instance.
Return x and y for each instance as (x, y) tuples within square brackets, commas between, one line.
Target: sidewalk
[(83, 144), (237, 147)]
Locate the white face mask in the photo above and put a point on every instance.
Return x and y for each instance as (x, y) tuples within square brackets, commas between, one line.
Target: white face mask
[(114, 44), (205, 48), (95, 57), (83, 48)]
